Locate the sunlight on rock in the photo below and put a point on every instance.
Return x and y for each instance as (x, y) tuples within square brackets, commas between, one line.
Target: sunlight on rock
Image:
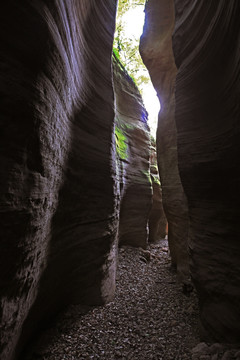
[(129, 29), (152, 105)]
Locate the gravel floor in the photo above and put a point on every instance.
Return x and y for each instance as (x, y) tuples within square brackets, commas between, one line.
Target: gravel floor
[(150, 317)]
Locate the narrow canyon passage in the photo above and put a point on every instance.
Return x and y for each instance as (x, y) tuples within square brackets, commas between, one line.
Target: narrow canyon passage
[(82, 208), (150, 317)]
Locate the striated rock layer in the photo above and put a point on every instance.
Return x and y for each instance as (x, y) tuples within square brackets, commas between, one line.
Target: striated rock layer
[(133, 149), (156, 51), (58, 193), (157, 219), (207, 53)]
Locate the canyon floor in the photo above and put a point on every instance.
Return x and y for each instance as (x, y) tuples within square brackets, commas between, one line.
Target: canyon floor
[(150, 317)]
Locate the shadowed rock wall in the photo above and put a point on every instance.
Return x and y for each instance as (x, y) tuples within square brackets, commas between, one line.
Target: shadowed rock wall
[(157, 218), (156, 52), (58, 195), (133, 148), (206, 47)]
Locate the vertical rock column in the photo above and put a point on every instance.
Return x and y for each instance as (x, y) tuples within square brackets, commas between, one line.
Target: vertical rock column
[(156, 52), (133, 149), (58, 191), (207, 53)]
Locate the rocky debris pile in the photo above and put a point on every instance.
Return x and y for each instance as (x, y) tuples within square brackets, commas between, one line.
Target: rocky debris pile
[(150, 317), (216, 352)]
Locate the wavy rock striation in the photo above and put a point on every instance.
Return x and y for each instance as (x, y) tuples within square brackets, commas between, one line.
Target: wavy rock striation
[(206, 47), (156, 51), (59, 215), (133, 148)]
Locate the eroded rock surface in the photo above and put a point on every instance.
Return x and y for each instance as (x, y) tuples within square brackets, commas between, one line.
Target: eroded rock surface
[(157, 219), (156, 51), (206, 48), (133, 149), (58, 192)]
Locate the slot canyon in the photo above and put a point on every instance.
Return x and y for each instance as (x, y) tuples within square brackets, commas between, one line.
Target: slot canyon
[(79, 171)]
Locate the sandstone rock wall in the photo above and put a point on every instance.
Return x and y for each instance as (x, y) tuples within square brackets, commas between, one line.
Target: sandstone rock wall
[(207, 53), (157, 218), (156, 51), (58, 191), (133, 149)]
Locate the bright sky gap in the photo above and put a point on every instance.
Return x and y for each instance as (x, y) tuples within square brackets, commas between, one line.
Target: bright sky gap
[(133, 21)]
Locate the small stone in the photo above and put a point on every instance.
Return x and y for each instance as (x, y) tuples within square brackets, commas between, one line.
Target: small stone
[(237, 354), (201, 348), (189, 310), (187, 288), (143, 259), (195, 357), (146, 254), (215, 348), (214, 357), (227, 355)]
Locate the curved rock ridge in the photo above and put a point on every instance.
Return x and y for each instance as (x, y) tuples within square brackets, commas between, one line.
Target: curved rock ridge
[(207, 53), (156, 52), (59, 197), (133, 149)]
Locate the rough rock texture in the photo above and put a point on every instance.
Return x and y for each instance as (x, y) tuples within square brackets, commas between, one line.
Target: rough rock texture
[(149, 319), (133, 149), (215, 351), (58, 193), (207, 53), (156, 51), (157, 219)]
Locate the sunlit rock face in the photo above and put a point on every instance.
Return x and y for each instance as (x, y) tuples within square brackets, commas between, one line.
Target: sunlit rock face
[(156, 51), (133, 151), (58, 192), (206, 47)]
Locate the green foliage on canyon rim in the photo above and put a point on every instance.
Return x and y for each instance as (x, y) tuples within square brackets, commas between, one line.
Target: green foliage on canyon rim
[(126, 5), (127, 49)]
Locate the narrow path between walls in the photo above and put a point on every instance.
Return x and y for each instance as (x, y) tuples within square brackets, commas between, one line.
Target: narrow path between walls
[(150, 317)]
